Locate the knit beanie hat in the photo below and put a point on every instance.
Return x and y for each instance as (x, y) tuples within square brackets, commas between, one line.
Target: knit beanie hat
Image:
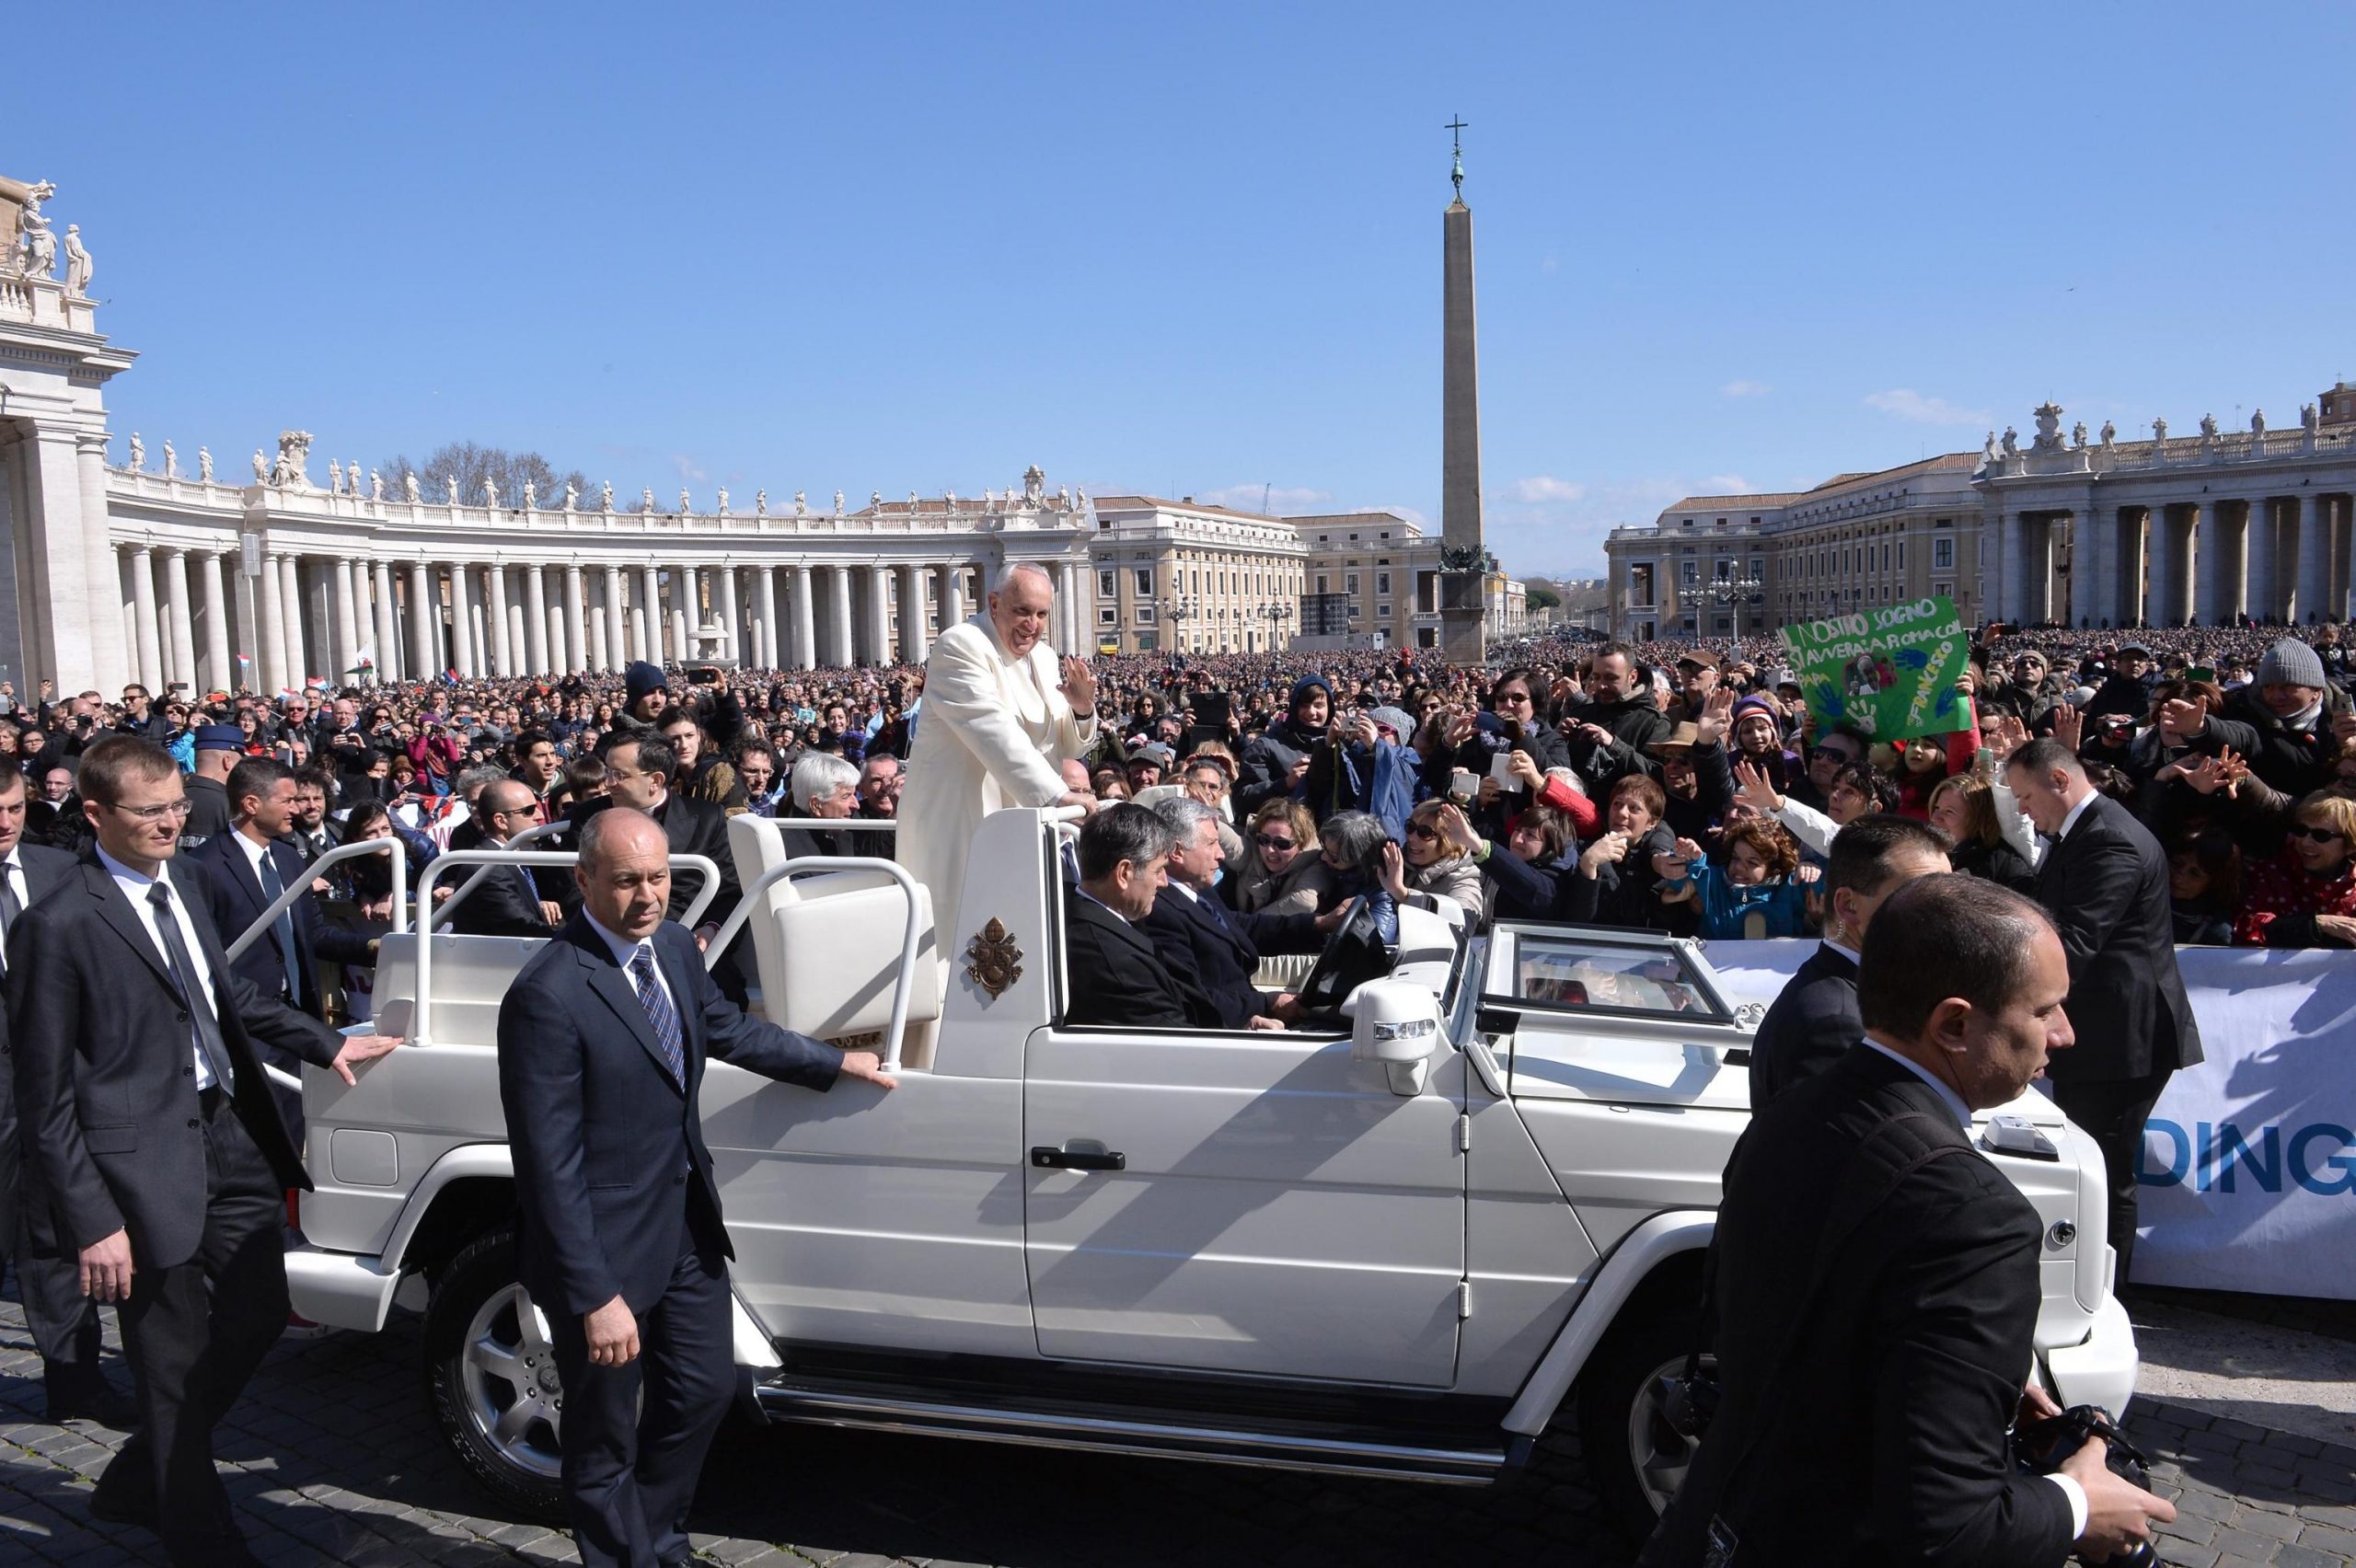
[(2291, 662), (641, 678)]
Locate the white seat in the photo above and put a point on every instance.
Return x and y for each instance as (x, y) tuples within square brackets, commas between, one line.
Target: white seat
[(826, 945), (470, 977)]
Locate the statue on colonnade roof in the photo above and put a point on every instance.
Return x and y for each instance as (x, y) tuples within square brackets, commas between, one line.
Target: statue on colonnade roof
[(18, 197)]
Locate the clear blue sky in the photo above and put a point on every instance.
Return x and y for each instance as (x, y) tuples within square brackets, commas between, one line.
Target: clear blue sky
[(1195, 250)]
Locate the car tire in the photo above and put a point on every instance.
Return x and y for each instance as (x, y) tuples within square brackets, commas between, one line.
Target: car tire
[(491, 1379), (1634, 1456)]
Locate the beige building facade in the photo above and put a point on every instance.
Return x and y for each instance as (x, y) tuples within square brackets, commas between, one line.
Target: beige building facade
[(1184, 576)]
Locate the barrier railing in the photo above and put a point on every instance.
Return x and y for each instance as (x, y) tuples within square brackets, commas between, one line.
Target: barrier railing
[(437, 916), (903, 983), (336, 856)]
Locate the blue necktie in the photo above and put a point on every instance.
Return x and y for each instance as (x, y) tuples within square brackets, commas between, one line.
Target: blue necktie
[(660, 1014), (272, 887)]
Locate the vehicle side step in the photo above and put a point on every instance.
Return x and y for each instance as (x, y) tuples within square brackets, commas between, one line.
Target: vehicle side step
[(1300, 1447)]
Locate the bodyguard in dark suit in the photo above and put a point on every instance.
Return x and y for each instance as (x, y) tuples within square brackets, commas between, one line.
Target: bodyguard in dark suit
[(1117, 977), (508, 902), (1877, 1281), (1814, 1020), (245, 869), (1207, 947), (2105, 881), (63, 1321), (154, 1151), (603, 1039)]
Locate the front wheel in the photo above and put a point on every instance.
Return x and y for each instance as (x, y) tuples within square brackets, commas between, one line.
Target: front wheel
[(491, 1377), (1635, 1453)]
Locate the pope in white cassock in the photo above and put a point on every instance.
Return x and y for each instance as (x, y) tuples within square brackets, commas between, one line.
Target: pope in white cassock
[(998, 720)]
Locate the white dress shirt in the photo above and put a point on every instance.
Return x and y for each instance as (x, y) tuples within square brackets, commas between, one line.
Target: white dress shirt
[(135, 886)]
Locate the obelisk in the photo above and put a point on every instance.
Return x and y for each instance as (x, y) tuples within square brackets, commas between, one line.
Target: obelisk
[(1463, 559)]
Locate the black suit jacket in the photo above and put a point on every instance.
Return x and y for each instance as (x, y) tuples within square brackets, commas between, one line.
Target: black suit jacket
[(613, 1182), (2107, 887), (44, 870), (1863, 1423), (1811, 1025), (105, 1081), (507, 904), (1218, 953), (1118, 978), (237, 900)]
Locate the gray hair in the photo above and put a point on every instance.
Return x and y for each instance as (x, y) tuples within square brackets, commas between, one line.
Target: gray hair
[(817, 776), (1005, 577), (474, 780), (1356, 839), (1122, 833), (1182, 814)]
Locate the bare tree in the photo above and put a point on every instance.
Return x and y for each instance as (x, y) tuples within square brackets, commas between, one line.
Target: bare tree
[(471, 463)]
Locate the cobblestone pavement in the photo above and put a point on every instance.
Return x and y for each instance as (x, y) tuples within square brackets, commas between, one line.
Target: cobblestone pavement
[(332, 1459)]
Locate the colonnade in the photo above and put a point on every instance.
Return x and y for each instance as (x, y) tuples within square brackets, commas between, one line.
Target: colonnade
[(2283, 558), (195, 614)]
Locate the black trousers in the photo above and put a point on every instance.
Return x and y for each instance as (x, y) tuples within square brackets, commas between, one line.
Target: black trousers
[(63, 1321), (194, 1333), (2113, 1113), (630, 1476)]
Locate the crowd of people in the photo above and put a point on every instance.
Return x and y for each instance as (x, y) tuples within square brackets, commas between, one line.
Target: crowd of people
[(1248, 804)]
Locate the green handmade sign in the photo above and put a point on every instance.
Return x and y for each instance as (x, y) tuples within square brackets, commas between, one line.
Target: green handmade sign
[(1888, 672)]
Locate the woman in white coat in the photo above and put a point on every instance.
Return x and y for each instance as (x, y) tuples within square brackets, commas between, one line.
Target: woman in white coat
[(996, 726)]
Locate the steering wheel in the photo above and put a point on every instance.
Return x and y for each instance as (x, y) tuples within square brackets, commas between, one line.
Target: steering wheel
[(1353, 954)]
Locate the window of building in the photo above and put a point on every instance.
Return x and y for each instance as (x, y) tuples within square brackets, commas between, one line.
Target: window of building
[(1144, 575), (1383, 611), (1107, 616), (1691, 572), (1105, 585), (1944, 590), (1322, 580), (1350, 583), (1382, 582), (1943, 555)]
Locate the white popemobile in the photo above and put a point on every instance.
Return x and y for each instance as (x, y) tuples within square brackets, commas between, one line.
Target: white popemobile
[(1404, 1245)]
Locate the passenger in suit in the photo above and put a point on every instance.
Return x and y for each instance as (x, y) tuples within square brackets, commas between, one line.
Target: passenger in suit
[(1814, 1020), (154, 1152), (603, 1039), (1117, 977), (638, 767), (246, 871), (1208, 947), (508, 903), (63, 1321), (1877, 1281), (2105, 881)]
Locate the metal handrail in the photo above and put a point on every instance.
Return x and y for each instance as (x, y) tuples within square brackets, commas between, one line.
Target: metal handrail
[(902, 987), (530, 835), (352, 851), (839, 825), (420, 1031)]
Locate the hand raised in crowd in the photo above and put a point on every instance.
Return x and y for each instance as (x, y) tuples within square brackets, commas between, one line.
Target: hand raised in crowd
[(1392, 870), (1296, 772), (1718, 717), (2181, 721), (2343, 724), (1524, 768), (1080, 685), (2070, 725), (1461, 727), (1593, 734), (2009, 736), (1677, 864), (1751, 783), (1455, 829), (1489, 791), (1607, 850)]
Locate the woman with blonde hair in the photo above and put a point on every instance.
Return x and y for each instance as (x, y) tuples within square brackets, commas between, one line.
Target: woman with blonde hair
[(1964, 807), (2306, 896), (1437, 864), (1281, 871)]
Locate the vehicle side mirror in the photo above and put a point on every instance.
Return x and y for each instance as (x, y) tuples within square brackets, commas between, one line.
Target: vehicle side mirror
[(1397, 1024)]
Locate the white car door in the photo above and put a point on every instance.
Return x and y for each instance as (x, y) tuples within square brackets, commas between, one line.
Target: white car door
[(1241, 1203)]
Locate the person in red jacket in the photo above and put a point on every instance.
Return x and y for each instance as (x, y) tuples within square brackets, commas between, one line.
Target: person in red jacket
[(2306, 895)]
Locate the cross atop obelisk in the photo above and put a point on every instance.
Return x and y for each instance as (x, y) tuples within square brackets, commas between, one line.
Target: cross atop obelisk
[(1463, 559)]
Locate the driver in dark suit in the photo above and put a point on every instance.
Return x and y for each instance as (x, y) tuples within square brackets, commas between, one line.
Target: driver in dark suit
[(1116, 977), (603, 1039), (1877, 1283), (1208, 945)]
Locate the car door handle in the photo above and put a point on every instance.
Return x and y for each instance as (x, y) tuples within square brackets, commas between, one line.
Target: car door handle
[(1079, 1153)]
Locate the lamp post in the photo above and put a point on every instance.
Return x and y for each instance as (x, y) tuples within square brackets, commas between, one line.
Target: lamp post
[(1177, 613), (1737, 592)]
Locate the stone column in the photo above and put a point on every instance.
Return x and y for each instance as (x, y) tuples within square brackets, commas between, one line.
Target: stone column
[(2205, 559), (502, 644), (723, 583), (650, 613), (179, 619), (953, 596), (838, 639), (687, 597), (216, 674), (764, 641), (388, 636), (273, 677), (148, 657), (876, 646), (916, 642), (462, 619), (576, 638), (804, 623), (107, 655), (343, 593), (2313, 571), (424, 622), (617, 617), (290, 596), (2263, 597), (2160, 546), (536, 619)]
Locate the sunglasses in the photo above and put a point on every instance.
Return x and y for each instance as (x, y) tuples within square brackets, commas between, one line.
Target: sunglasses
[(1270, 841), (1422, 830), (2316, 834)]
